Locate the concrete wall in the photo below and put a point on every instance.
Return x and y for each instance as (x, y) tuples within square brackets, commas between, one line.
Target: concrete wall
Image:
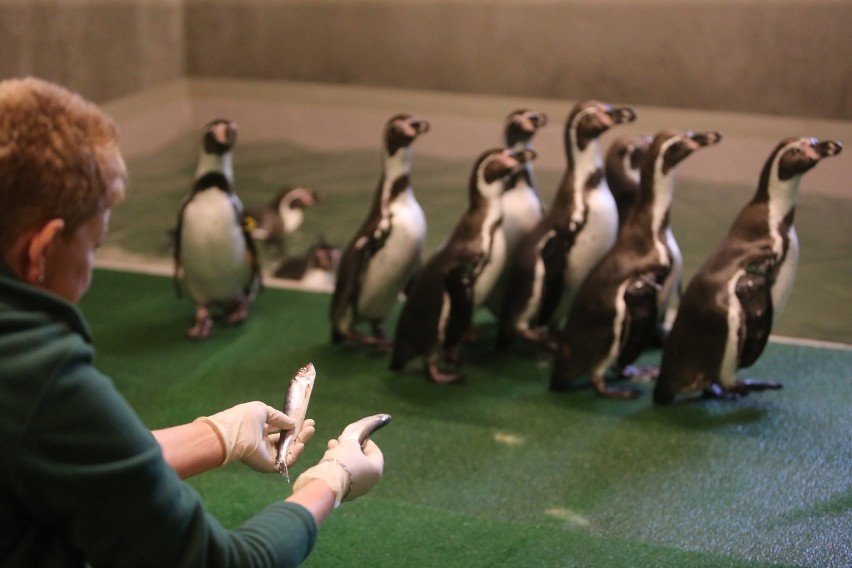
[(783, 57)]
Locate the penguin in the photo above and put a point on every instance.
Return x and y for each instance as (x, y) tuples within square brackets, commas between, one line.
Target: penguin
[(521, 204), (614, 316), (382, 256), (440, 304), (214, 255), (575, 232), (726, 313), (621, 168), (282, 216), (315, 269)]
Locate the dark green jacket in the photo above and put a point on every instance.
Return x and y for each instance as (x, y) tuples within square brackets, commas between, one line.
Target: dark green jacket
[(81, 478)]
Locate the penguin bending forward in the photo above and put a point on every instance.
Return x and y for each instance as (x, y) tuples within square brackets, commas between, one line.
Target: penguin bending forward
[(521, 204), (614, 316), (215, 257), (282, 216), (381, 257), (575, 232), (726, 313), (440, 304)]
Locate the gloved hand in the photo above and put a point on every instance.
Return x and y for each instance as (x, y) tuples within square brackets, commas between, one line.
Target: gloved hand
[(347, 469), (244, 431)]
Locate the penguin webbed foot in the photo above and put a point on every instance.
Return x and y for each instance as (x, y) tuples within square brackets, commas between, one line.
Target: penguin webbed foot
[(640, 373), (240, 313), (203, 327), (740, 389), (540, 338), (619, 393), (441, 377)]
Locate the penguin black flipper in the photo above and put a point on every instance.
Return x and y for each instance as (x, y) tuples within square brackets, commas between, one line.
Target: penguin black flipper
[(754, 291), (554, 255), (640, 299), (348, 286), (459, 284), (254, 257)]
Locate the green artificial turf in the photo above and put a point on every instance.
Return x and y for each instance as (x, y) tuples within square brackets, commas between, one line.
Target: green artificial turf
[(497, 471)]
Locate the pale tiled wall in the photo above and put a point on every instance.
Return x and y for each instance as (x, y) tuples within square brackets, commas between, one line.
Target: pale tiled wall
[(789, 57)]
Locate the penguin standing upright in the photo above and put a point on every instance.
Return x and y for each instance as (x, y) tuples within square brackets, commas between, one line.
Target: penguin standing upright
[(726, 313), (440, 304), (383, 254), (614, 316), (282, 216), (578, 228), (215, 257), (621, 167), (521, 204)]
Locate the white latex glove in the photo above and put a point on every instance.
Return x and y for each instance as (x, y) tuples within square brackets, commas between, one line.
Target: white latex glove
[(347, 469), (249, 431)]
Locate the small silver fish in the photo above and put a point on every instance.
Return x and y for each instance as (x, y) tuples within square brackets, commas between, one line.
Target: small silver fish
[(364, 428), (296, 407)]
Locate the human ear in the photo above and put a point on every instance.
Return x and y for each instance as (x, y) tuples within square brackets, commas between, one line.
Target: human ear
[(37, 249)]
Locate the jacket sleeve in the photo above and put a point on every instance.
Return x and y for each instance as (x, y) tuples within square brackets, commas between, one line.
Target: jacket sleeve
[(95, 474)]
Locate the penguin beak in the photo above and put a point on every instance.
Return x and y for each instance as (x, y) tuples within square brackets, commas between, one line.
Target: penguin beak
[(621, 115), (420, 126), (828, 148), (706, 138), (539, 119), (523, 156)]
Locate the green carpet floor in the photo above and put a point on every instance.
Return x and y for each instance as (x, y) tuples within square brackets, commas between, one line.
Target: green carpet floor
[(497, 471)]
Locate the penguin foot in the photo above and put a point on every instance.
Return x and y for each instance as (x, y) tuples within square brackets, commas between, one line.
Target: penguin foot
[(240, 313), (541, 338), (620, 393), (440, 377), (640, 373), (203, 327), (740, 389), (751, 385)]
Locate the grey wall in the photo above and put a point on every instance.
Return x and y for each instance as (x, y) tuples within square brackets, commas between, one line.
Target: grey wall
[(787, 57)]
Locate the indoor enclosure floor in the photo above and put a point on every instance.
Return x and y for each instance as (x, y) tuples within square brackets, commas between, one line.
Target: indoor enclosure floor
[(495, 471)]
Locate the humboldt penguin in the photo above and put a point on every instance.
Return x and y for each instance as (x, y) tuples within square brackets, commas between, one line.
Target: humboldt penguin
[(315, 269), (215, 257), (383, 254), (621, 168), (614, 316), (576, 231), (282, 216), (440, 304), (521, 203), (726, 313)]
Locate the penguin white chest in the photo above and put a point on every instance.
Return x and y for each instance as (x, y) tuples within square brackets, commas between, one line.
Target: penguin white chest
[(521, 212), (596, 237), (214, 254), (391, 267)]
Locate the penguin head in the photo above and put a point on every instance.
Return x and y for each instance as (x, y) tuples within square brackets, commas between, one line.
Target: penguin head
[(522, 125), (589, 119), (492, 168), (401, 130), (294, 197), (671, 147), (795, 156), (219, 136), (625, 155)]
